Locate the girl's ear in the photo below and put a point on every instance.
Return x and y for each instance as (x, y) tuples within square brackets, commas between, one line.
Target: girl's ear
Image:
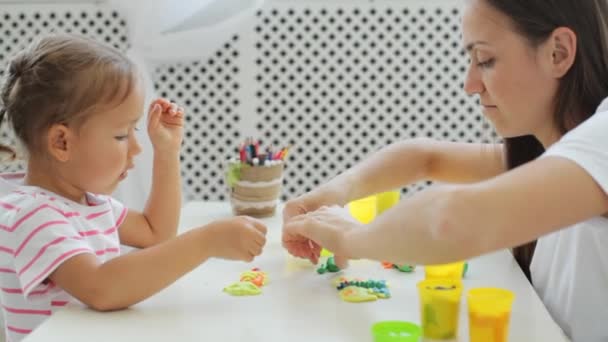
[(562, 51), (60, 142)]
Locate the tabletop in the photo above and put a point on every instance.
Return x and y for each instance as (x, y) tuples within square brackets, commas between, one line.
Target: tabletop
[(296, 305)]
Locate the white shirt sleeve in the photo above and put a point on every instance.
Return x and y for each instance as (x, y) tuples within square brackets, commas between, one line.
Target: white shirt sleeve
[(118, 209), (587, 145)]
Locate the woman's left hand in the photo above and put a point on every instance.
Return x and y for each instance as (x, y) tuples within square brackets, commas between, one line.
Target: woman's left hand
[(165, 125)]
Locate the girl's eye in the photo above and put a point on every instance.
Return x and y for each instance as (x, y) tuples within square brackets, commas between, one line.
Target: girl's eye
[(126, 136)]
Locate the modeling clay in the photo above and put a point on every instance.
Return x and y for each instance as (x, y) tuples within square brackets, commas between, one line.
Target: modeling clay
[(387, 265), (242, 288), (249, 285), (402, 268), (255, 276), (405, 268), (357, 295), (329, 266), (357, 290)]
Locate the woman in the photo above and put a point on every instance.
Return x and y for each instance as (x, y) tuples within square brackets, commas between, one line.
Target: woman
[(540, 69)]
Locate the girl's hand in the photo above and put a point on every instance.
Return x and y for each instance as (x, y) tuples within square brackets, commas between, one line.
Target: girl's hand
[(326, 227), (237, 238), (165, 126)]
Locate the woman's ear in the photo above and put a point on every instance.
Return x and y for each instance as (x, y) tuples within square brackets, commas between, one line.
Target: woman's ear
[(562, 49), (59, 142)]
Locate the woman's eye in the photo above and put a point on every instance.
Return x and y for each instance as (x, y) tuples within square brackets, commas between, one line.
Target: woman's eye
[(486, 64)]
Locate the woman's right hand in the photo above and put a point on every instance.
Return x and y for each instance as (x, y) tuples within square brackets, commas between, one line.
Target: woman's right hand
[(237, 238), (326, 227), (296, 244)]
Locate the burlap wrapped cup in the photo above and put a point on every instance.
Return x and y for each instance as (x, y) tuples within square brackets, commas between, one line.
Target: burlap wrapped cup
[(255, 190)]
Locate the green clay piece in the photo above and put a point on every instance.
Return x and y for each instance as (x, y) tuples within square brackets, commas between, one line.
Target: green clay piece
[(331, 265), (242, 288), (333, 269), (404, 268), (233, 174), (465, 269)]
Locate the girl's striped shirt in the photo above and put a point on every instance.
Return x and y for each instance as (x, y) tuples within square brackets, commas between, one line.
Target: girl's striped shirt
[(38, 232)]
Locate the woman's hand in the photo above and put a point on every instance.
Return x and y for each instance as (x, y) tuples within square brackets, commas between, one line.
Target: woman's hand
[(325, 227)]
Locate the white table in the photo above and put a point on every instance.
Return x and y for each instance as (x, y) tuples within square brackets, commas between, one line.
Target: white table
[(297, 305)]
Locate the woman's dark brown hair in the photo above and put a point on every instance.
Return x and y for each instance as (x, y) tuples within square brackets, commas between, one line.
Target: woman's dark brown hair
[(581, 90), (61, 79)]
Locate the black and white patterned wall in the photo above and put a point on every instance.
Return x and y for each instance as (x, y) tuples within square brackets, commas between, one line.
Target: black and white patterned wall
[(210, 91), (336, 80)]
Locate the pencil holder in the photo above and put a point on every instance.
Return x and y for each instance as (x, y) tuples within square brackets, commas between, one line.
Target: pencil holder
[(255, 189)]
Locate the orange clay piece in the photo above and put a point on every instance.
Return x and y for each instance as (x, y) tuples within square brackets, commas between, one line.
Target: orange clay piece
[(387, 265), (255, 276), (258, 281)]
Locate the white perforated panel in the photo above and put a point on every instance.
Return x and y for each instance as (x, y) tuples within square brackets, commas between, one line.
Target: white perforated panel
[(210, 91), (19, 24), (336, 81)]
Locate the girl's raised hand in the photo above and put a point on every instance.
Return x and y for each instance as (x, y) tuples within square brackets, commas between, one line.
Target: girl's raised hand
[(165, 125)]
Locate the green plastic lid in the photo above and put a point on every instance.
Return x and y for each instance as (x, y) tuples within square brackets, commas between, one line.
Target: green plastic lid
[(396, 331)]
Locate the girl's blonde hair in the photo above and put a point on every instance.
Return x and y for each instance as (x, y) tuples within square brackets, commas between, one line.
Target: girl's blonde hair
[(61, 79)]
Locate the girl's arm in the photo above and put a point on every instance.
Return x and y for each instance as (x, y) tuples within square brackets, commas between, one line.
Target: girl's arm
[(457, 222), (131, 278), (160, 218)]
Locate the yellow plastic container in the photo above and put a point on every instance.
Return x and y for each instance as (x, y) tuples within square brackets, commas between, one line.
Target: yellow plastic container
[(386, 200), (326, 253), (440, 308), (450, 271), (364, 209), (489, 314)]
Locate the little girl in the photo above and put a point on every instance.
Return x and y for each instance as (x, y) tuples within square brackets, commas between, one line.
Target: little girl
[(74, 105)]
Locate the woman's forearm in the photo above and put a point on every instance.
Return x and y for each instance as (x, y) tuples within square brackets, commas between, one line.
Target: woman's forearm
[(394, 166), (418, 230), (448, 223)]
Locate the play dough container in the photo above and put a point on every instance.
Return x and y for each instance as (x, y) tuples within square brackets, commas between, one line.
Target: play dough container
[(386, 200), (364, 209), (396, 331), (326, 253), (489, 314), (440, 308), (450, 271)]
